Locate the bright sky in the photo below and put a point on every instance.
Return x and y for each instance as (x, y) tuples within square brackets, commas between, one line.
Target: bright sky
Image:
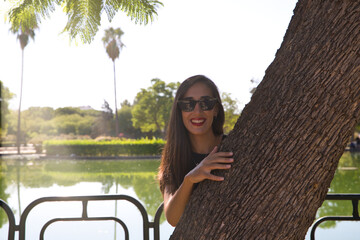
[(231, 42)]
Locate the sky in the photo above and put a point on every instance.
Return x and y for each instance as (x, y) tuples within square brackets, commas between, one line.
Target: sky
[(231, 42)]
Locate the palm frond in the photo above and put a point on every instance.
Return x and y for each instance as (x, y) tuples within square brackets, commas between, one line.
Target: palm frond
[(23, 18), (83, 15), (29, 13), (83, 18), (113, 50), (140, 11), (112, 42)]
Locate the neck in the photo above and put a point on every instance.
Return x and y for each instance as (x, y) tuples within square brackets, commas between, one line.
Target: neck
[(204, 143)]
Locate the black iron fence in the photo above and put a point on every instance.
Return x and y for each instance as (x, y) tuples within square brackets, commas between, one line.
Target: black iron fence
[(147, 225), (354, 198), (21, 228)]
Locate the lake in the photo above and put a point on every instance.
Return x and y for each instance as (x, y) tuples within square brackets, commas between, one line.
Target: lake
[(21, 182)]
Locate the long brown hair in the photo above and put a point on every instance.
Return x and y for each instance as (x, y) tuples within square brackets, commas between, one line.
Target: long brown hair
[(176, 155)]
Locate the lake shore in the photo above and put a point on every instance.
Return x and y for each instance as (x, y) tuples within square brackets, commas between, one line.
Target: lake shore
[(29, 153)]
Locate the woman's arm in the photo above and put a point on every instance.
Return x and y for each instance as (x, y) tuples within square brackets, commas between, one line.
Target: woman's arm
[(174, 204)]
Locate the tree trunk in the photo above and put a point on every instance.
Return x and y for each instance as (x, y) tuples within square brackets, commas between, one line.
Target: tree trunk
[(18, 134), (116, 111), (290, 137)]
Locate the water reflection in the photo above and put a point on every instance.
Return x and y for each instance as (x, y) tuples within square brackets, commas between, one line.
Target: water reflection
[(140, 175), (346, 180), (3, 194), (18, 178)]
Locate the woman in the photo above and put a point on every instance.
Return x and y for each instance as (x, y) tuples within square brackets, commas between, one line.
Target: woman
[(190, 154)]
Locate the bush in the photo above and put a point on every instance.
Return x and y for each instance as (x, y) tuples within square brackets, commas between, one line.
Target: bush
[(95, 148)]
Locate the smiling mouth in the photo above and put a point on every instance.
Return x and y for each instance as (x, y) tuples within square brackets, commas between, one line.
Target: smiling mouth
[(197, 121)]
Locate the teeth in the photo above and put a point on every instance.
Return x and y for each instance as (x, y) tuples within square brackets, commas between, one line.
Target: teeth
[(197, 121)]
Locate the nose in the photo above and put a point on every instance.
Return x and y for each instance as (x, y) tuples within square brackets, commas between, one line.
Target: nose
[(197, 107)]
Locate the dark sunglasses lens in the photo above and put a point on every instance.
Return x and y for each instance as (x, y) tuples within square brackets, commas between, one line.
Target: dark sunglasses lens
[(207, 105), (187, 106)]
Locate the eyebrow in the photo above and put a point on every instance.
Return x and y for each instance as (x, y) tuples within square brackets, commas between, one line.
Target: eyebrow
[(190, 98)]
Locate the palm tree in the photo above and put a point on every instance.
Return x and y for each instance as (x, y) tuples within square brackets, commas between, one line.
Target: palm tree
[(84, 17), (23, 35), (113, 45)]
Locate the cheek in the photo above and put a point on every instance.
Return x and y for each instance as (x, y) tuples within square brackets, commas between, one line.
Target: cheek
[(183, 115), (185, 119), (212, 113)]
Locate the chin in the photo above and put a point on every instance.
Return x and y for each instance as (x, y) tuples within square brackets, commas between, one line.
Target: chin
[(199, 132)]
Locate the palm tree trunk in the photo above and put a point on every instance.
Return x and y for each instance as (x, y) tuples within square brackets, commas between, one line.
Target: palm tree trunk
[(116, 112), (18, 136)]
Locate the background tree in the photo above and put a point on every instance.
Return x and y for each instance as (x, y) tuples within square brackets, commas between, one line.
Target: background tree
[(231, 111), (37, 121), (83, 16), (152, 106), (43, 123), (5, 96), (290, 137), (74, 121), (104, 122), (23, 34), (113, 45), (125, 122)]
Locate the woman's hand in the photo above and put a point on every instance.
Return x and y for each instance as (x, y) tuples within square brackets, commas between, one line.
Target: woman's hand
[(215, 160)]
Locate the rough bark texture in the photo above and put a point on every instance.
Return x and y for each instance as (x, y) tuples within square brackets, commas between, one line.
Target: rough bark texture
[(290, 137)]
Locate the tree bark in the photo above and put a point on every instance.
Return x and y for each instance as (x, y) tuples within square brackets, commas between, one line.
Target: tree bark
[(290, 137)]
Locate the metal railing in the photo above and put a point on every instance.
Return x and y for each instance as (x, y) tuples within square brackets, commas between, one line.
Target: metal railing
[(354, 198), (147, 225), (21, 228)]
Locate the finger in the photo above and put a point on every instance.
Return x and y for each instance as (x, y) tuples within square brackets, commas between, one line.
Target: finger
[(215, 178), (214, 150), (220, 160), (224, 154), (219, 166)]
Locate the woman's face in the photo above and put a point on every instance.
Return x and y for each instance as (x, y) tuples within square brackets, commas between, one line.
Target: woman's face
[(198, 121)]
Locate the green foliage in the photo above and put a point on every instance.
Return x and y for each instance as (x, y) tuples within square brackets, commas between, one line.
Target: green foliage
[(103, 124), (24, 18), (126, 127), (83, 15), (74, 123), (67, 111), (104, 148), (231, 112), (152, 106), (357, 128), (3, 195), (39, 122), (112, 42), (46, 113), (5, 96), (43, 123), (148, 117)]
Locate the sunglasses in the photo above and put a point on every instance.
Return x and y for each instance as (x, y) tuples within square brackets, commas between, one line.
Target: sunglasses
[(205, 103)]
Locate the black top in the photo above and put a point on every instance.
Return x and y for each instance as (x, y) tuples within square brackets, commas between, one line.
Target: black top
[(198, 157)]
